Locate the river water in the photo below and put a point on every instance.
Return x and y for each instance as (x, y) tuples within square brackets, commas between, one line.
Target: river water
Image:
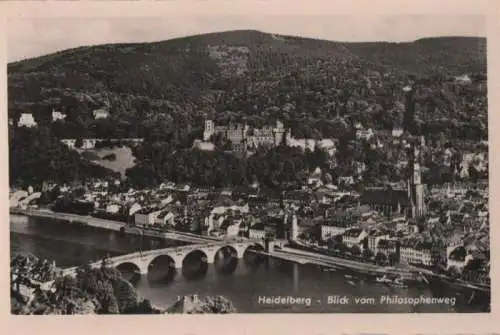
[(247, 286)]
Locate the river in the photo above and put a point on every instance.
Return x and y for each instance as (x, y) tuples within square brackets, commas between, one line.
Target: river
[(247, 286)]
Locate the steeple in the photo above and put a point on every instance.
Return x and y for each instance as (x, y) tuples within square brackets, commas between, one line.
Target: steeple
[(415, 187)]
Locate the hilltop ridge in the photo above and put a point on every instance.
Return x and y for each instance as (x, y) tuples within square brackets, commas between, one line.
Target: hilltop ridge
[(187, 70)]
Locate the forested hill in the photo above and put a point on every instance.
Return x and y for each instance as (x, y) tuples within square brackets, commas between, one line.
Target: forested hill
[(236, 70), (451, 55), (163, 91)]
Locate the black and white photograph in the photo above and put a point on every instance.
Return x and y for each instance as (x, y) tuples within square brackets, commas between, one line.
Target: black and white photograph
[(248, 164)]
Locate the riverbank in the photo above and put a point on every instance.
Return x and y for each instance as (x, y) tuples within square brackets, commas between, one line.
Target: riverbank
[(407, 272), (110, 225)]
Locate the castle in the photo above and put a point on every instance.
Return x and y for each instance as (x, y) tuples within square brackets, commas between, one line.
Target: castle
[(243, 137)]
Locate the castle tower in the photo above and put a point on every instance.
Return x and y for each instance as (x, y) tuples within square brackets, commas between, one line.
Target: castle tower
[(209, 130), (415, 186), (278, 133)]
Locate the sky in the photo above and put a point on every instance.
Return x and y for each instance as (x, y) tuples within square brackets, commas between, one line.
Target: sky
[(33, 37)]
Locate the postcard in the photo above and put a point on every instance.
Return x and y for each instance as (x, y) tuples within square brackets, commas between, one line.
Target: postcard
[(250, 158)]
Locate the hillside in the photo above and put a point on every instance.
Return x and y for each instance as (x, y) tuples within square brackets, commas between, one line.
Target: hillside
[(210, 70), (450, 55), (164, 91)]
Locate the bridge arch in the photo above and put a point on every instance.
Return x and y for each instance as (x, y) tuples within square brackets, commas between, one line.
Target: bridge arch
[(255, 246), (131, 270), (230, 250), (226, 258), (162, 268), (195, 263), (253, 259)]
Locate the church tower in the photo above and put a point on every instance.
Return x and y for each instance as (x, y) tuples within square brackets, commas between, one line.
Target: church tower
[(415, 186)]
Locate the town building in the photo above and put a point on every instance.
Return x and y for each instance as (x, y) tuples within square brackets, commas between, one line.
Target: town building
[(329, 231), (394, 201), (56, 115), (397, 132), (27, 120), (100, 114), (354, 237), (374, 236), (218, 214), (257, 234), (145, 217), (362, 133), (165, 218), (419, 252), (387, 246)]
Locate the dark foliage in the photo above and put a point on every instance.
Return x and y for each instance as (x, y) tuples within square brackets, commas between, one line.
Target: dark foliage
[(35, 156), (163, 91)]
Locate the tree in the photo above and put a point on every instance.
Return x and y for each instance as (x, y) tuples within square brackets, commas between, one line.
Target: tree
[(355, 250), (454, 272), (79, 143), (380, 258), (393, 258), (367, 253)]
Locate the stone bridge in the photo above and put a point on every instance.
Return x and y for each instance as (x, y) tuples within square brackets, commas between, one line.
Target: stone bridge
[(142, 261)]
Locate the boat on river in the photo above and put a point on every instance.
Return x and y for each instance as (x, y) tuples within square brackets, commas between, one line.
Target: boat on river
[(393, 281)]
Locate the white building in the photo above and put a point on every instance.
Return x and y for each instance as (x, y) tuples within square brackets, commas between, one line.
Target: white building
[(165, 218), (418, 252), (397, 132), (328, 231), (56, 115), (463, 79), (147, 218), (100, 114), (113, 208), (364, 134), (27, 120), (134, 208), (258, 234), (374, 238), (234, 228), (354, 236), (203, 146)]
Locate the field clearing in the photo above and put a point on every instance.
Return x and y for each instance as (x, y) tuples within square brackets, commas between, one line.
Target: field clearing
[(124, 158)]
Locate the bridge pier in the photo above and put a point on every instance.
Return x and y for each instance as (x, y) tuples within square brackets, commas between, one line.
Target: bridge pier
[(295, 277)]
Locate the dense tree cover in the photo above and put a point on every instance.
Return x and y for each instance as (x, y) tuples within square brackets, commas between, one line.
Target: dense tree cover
[(271, 168), (447, 55), (208, 305), (102, 291), (305, 81), (35, 157), (164, 91)]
